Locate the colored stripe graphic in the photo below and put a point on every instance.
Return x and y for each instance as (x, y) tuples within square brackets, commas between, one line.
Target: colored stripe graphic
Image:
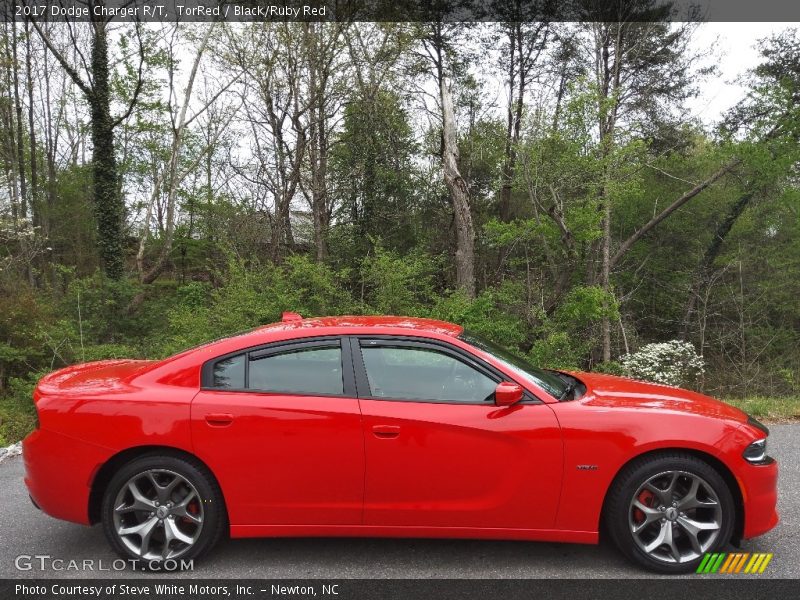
[(701, 568), (717, 564), (752, 562), (723, 562), (765, 563), (741, 562), (726, 566)]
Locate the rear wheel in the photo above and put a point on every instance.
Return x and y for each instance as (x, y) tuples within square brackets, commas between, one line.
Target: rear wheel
[(666, 511), (160, 508)]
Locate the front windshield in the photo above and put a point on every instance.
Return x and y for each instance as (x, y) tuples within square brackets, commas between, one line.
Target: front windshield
[(550, 382)]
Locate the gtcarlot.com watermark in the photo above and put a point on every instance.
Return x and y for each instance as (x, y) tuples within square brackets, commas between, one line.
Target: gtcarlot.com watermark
[(46, 562)]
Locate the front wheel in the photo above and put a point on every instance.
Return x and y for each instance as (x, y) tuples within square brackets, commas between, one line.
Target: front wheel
[(665, 512), (162, 508)]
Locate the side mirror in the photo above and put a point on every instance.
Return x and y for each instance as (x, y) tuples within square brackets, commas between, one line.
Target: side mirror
[(507, 393)]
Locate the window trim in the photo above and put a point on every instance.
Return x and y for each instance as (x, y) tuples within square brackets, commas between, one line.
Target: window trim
[(469, 359), (281, 347)]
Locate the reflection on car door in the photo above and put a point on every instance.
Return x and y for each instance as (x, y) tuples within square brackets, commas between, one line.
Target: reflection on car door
[(281, 429), (440, 453)]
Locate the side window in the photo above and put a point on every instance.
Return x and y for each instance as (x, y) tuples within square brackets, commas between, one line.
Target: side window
[(304, 371), (229, 373), (423, 374)]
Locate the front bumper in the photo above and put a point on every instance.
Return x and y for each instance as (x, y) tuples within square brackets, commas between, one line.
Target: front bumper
[(759, 486), (58, 473)]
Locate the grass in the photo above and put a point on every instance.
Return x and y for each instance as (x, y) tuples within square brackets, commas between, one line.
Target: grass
[(17, 420), (770, 410)]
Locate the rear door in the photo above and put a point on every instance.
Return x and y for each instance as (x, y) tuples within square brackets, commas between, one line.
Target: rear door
[(281, 429), (440, 453)]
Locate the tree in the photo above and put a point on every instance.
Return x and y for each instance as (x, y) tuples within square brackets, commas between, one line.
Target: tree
[(270, 58), (768, 118), (169, 179), (372, 172), (524, 40), (326, 74), (439, 42), (96, 87), (641, 66), (459, 193)]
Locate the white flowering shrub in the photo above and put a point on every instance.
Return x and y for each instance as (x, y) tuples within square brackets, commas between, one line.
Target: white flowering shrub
[(672, 363)]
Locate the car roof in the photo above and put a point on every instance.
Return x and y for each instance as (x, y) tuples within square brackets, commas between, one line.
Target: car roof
[(366, 322)]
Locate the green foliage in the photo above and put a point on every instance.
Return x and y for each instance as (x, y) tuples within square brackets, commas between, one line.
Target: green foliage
[(564, 339), (251, 295), (374, 177), (771, 408), (398, 285), (585, 305), (611, 367), (17, 414), (493, 314)]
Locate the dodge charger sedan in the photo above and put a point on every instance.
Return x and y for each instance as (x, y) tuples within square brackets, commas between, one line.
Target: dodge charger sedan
[(392, 427)]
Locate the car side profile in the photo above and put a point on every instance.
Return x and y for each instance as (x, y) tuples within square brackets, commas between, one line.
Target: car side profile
[(391, 427)]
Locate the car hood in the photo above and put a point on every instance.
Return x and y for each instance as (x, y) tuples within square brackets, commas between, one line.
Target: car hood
[(621, 392), (103, 375)]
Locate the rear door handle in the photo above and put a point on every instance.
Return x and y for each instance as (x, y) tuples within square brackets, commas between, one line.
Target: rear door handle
[(219, 419), (386, 431)]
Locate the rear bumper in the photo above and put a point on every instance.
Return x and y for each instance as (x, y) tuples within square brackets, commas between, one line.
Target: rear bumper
[(759, 485), (58, 473)]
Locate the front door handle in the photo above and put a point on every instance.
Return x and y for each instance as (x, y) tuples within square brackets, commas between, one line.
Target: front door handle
[(386, 431), (219, 419)]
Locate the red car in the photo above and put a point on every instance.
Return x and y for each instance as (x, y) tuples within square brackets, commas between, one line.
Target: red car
[(396, 427)]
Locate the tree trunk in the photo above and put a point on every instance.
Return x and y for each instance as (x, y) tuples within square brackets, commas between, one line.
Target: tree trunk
[(23, 183), (108, 203), (606, 279), (639, 233), (319, 59), (459, 195), (35, 206), (507, 174), (701, 276)]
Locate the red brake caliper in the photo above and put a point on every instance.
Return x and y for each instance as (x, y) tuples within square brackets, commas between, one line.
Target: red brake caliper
[(193, 509)]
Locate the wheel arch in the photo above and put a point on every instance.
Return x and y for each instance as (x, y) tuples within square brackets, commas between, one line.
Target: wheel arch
[(106, 472), (712, 461)]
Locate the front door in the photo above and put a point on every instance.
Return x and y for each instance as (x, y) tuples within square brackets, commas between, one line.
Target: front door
[(280, 427), (440, 453)]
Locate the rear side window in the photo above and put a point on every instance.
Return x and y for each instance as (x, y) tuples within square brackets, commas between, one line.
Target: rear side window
[(312, 371), (315, 370)]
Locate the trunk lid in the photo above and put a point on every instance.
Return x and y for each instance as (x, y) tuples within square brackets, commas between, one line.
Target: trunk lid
[(102, 375)]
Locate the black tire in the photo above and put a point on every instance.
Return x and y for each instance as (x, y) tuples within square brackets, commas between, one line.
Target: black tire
[(181, 476), (621, 516)]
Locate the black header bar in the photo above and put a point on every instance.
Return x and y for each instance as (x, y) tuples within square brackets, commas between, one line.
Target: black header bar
[(168, 11)]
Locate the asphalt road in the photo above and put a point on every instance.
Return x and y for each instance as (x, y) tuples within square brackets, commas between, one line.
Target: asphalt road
[(26, 531)]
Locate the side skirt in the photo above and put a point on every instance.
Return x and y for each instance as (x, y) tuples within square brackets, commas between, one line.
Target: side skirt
[(378, 531)]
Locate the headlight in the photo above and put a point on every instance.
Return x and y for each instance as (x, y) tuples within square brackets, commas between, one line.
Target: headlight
[(756, 452)]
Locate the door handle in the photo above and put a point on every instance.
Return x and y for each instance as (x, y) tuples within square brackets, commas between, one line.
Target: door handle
[(386, 431), (219, 419)]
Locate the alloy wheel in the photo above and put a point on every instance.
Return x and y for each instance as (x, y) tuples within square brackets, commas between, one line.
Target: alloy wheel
[(158, 514), (675, 516)]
